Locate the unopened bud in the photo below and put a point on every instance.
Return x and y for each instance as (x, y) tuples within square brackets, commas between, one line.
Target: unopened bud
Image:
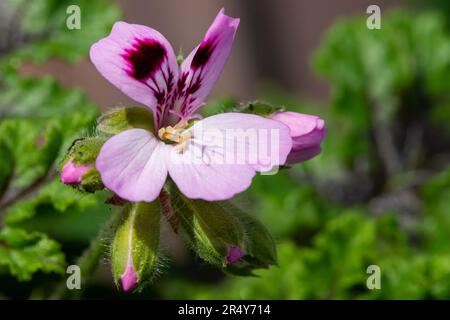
[(307, 133), (214, 233), (134, 252), (260, 246), (79, 165), (234, 254), (72, 173)]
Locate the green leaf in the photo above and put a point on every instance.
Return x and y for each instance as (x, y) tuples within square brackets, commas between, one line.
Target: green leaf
[(24, 253), (46, 21), (40, 145), (39, 119), (56, 196), (6, 166)]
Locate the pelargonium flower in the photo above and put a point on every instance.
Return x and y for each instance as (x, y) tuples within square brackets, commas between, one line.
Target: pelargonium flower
[(136, 163)]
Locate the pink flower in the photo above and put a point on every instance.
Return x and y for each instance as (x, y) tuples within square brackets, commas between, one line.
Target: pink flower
[(73, 173), (136, 163), (307, 133)]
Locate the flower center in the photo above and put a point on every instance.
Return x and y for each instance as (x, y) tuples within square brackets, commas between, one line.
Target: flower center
[(177, 135)]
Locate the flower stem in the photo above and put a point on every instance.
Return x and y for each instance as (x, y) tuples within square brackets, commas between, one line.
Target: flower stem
[(167, 210), (89, 260)]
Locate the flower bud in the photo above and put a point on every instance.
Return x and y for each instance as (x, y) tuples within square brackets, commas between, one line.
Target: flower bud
[(224, 235), (260, 247), (134, 251), (213, 232), (234, 254), (307, 133), (79, 165), (72, 173)]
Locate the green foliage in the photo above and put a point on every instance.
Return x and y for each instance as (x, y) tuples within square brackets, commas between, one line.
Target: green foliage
[(38, 121), (45, 20), (380, 77), (335, 267), (25, 253)]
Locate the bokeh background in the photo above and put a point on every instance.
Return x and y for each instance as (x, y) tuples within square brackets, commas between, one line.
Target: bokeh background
[(378, 194)]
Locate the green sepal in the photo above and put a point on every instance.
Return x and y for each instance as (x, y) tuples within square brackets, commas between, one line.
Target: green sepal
[(91, 181), (117, 120), (84, 151), (260, 247), (259, 108), (209, 228), (137, 237)]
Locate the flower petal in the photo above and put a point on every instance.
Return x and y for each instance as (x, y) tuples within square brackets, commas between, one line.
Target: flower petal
[(303, 155), (306, 130), (203, 66), (140, 62), (224, 152), (260, 142), (132, 165), (209, 182), (307, 134)]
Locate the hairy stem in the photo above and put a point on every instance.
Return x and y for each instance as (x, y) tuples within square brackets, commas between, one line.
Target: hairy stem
[(167, 210), (90, 259)]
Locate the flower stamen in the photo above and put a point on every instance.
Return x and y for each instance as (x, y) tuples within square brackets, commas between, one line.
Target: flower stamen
[(177, 135)]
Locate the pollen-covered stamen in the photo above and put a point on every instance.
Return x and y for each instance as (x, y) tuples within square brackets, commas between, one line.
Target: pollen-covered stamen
[(178, 135)]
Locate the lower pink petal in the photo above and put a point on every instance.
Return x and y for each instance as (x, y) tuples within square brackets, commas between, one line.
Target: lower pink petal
[(131, 164)]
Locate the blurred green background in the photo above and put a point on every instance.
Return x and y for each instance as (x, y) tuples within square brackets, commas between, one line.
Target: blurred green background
[(379, 194)]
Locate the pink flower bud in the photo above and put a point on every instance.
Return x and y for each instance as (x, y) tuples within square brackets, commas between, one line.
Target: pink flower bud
[(129, 280), (73, 173), (234, 254), (307, 133)]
